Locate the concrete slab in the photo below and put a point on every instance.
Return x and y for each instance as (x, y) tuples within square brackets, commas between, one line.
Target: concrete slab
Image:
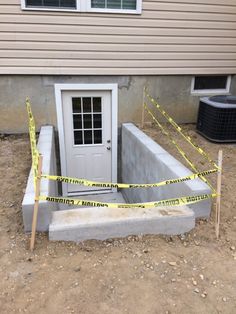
[(103, 223)]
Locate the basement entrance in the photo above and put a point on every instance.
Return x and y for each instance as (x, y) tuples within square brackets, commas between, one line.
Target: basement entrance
[(88, 136)]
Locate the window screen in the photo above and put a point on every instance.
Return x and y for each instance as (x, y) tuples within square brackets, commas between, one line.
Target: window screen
[(51, 3), (114, 4), (210, 82)]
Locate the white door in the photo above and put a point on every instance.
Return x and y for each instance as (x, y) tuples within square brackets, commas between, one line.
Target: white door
[(88, 133)]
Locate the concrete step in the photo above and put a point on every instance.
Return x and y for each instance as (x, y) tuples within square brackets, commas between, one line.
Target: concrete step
[(103, 223)]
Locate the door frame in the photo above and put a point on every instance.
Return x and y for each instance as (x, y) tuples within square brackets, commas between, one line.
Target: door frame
[(113, 88)]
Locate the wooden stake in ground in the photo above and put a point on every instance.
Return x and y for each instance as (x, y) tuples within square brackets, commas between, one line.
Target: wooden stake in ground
[(218, 191), (143, 110), (36, 202)]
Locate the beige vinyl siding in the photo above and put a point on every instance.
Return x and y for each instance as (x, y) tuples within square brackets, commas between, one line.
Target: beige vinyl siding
[(169, 37)]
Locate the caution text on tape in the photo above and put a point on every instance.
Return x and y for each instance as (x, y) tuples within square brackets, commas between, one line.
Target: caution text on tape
[(126, 185), (186, 200), (180, 150)]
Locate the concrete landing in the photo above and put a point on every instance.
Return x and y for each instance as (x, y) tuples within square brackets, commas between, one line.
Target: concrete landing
[(112, 197), (103, 223)]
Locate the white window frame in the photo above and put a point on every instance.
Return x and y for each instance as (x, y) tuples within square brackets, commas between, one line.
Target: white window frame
[(85, 6), (24, 7), (206, 92), (105, 10)]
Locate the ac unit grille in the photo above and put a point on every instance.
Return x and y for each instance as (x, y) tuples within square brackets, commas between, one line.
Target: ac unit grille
[(216, 123)]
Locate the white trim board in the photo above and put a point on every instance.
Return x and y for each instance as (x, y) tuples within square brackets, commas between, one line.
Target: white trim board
[(113, 88)]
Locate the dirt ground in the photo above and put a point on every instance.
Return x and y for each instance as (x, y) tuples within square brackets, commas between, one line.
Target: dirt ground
[(193, 273)]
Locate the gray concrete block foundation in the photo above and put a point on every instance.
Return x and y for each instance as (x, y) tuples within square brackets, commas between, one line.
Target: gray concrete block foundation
[(144, 161), (46, 147)]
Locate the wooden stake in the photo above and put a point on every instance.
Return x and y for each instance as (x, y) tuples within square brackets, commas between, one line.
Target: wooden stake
[(218, 191), (143, 110), (36, 202)]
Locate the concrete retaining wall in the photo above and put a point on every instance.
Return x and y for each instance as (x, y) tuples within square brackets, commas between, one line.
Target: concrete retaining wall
[(46, 146), (144, 161)]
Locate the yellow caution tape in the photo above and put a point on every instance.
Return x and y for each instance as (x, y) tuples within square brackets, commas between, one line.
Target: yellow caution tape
[(180, 131), (180, 150), (70, 201), (186, 200), (33, 142), (126, 185)]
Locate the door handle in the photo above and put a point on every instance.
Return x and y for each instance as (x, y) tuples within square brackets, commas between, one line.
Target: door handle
[(108, 148)]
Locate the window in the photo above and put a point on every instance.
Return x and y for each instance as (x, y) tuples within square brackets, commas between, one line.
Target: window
[(104, 6), (114, 4), (51, 3), (211, 84)]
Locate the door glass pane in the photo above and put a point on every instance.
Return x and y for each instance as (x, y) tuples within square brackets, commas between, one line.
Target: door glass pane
[(97, 121), (97, 104), (86, 104), (97, 136), (77, 121), (78, 138), (88, 138), (76, 104), (87, 121)]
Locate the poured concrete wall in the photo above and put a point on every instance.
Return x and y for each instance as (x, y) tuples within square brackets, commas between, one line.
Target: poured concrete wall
[(144, 161), (46, 146), (173, 92)]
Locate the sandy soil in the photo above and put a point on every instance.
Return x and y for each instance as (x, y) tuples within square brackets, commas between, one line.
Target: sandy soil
[(193, 273)]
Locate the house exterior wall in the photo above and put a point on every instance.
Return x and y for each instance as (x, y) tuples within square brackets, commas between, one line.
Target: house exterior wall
[(173, 93), (170, 37)]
